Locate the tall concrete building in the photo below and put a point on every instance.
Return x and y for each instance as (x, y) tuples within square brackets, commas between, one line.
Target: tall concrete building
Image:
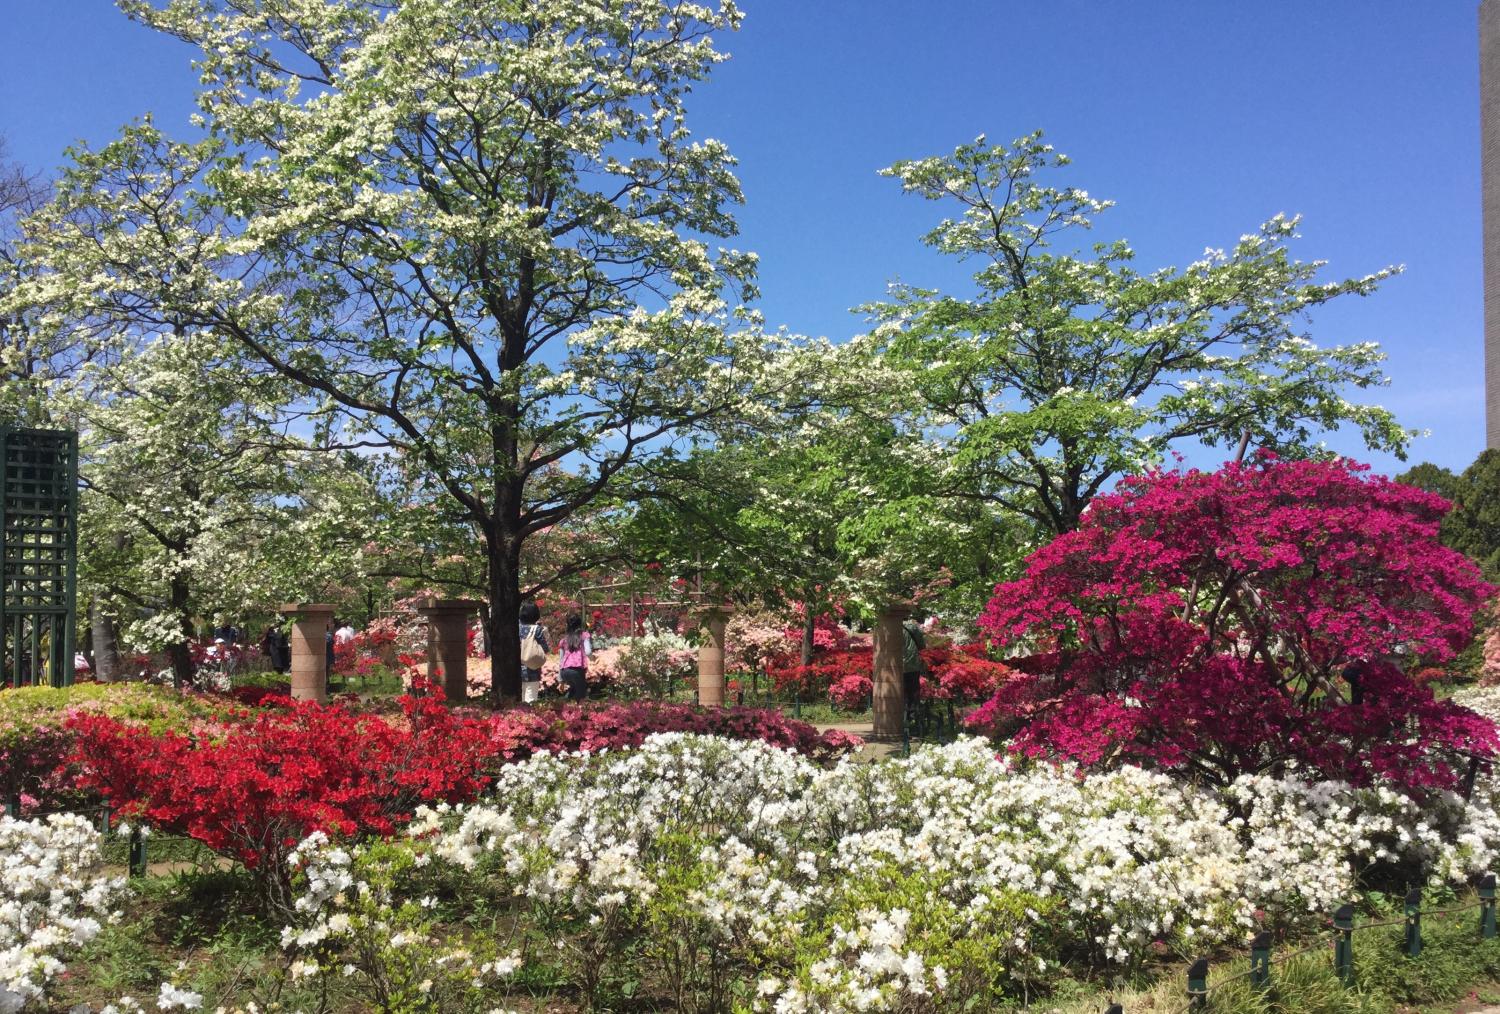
[(1489, 141)]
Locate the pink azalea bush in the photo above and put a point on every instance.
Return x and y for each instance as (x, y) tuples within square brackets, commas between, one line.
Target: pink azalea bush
[(756, 641), (1489, 670), (1256, 619)]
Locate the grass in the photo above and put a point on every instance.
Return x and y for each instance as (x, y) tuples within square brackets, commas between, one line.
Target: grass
[(1455, 964)]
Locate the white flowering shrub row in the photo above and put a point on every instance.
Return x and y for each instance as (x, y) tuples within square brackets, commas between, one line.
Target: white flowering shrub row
[(54, 897), (730, 874)]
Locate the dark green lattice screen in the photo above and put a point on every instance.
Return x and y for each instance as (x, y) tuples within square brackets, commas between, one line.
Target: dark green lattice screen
[(39, 536)]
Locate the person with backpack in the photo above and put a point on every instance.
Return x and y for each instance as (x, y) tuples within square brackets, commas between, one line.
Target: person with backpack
[(533, 651), (574, 659), (913, 667)]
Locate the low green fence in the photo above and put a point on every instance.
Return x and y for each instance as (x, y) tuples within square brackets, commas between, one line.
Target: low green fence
[(1343, 928), (103, 815)]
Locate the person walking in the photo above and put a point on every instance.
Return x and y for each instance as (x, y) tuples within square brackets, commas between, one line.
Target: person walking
[(573, 659), (913, 666), (534, 650), (276, 648)]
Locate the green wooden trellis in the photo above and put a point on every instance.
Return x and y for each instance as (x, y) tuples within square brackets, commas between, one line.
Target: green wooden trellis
[(38, 555)]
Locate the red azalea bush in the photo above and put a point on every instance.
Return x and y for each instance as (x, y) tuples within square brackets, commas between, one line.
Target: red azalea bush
[(1248, 620), (254, 788)]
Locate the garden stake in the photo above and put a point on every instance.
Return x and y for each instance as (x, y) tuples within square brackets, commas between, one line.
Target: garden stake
[(1260, 960), (1487, 906), (1197, 976), (137, 852), (13, 806), (1343, 944), (1414, 922)]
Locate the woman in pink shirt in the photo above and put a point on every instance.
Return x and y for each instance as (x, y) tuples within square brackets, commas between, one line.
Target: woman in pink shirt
[(573, 651)]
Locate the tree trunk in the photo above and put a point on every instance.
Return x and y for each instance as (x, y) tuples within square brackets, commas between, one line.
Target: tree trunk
[(182, 658), (504, 619), (809, 622), (105, 647)]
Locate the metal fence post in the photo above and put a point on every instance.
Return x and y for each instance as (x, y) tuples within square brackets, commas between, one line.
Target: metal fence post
[(1414, 922), (1487, 906), (1197, 984), (1343, 944), (1260, 960)]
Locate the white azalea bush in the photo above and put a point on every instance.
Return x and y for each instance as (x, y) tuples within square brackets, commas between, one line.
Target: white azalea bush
[(730, 874), (54, 897)]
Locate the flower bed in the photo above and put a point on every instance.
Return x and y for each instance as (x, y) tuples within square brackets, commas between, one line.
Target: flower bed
[(701, 868), (250, 783)]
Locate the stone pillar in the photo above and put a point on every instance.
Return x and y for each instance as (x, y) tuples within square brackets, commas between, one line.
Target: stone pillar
[(712, 622), (448, 643), (888, 696), (310, 623)]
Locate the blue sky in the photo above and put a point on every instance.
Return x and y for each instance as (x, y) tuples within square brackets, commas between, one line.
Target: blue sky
[(1201, 118)]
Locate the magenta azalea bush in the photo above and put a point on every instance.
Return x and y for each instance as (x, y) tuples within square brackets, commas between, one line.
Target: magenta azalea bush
[(1256, 619)]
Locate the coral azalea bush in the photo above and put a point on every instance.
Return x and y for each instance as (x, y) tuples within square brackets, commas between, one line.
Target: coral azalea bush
[(1256, 619)]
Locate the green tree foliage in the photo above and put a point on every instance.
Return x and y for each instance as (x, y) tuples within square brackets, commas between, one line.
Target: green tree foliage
[(1473, 527), (1068, 367), (828, 505)]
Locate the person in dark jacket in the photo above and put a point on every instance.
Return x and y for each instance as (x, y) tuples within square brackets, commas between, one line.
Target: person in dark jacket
[(913, 668)]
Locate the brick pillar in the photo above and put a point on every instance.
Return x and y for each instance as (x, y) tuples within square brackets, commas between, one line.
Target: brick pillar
[(889, 697), (713, 622), (448, 643), (310, 622)]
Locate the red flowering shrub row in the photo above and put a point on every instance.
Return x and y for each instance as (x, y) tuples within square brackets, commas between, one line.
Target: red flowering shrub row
[(1252, 620), (572, 727), (251, 789), (250, 784), (959, 674)]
